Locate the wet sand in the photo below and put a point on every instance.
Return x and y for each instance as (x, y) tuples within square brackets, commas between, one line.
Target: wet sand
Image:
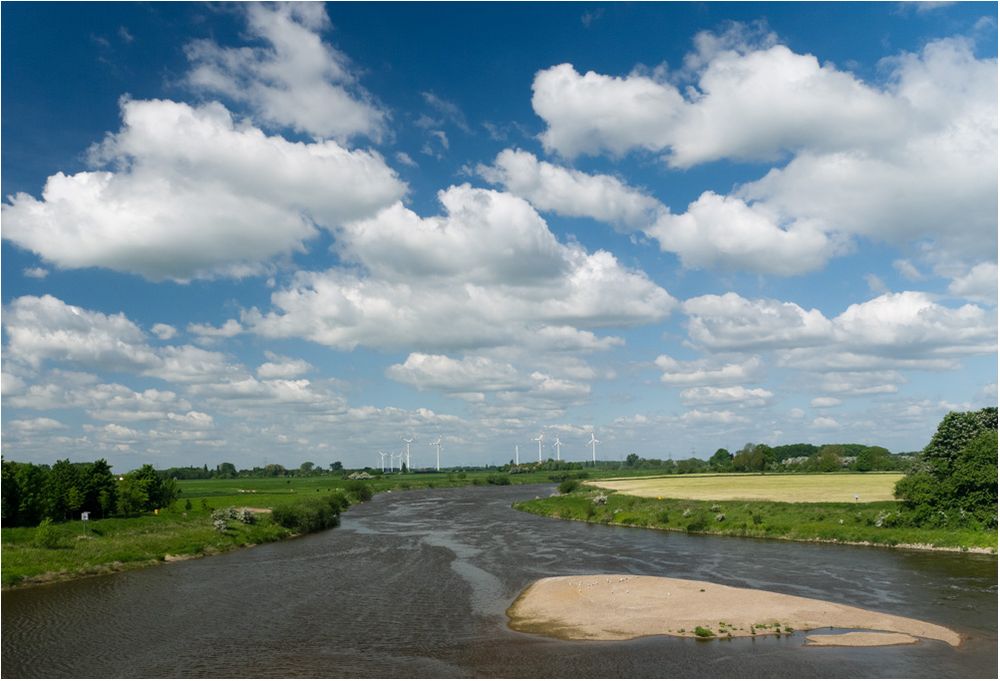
[(618, 607)]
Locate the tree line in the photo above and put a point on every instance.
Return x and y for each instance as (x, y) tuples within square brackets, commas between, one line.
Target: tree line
[(760, 458), (62, 491)]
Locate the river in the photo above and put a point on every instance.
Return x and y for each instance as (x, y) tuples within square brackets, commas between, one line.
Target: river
[(415, 584)]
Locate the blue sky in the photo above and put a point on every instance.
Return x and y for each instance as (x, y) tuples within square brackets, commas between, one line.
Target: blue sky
[(283, 233)]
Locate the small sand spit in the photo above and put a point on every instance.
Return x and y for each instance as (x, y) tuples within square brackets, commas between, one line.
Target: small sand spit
[(860, 638), (618, 607)]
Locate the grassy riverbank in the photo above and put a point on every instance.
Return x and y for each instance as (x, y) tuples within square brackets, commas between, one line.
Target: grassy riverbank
[(868, 523), (69, 550), (63, 551)]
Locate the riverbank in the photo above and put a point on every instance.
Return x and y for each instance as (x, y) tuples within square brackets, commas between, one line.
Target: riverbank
[(867, 524), (71, 550), (619, 607)]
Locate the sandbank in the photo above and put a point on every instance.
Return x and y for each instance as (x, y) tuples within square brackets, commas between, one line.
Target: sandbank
[(618, 607), (859, 638)]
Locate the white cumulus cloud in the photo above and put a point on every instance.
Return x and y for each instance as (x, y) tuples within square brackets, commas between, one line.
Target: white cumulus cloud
[(196, 193)]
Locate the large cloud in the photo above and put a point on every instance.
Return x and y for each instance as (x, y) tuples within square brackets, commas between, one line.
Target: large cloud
[(297, 81), (896, 327), (912, 160), (722, 232), (488, 273), (45, 328), (196, 193), (731, 322)]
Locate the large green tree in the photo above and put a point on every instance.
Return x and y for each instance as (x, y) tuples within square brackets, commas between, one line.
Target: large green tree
[(722, 460), (954, 480)]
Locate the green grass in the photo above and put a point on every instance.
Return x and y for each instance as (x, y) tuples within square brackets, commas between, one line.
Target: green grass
[(814, 487), (122, 543), (839, 522)]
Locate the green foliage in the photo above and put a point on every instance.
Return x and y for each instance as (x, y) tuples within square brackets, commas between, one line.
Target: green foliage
[(873, 459), (497, 479), (132, 496), (782, 452), (826, 460), (721, 461), (308, 515), (955, 478), (47, 536), (359, 490), (567, 486), (704, 632), (753, 458), (698, 523)]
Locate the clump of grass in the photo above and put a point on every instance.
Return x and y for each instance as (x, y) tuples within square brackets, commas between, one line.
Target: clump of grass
[(704, 632)]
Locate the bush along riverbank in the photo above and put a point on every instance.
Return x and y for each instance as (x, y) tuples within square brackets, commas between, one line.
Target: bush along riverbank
[(62, 551), (878, 523)]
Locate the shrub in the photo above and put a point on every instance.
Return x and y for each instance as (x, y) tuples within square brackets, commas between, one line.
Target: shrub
[(47, 536), (359, 490), (699, 523), (663, 517), (567, 486), (497, 479), (308, 515), (703, 632)]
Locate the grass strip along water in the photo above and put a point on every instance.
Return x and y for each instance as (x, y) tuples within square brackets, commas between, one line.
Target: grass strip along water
[(876, 523)]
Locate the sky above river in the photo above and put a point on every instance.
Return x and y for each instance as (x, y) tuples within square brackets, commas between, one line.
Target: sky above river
[(278, 233)]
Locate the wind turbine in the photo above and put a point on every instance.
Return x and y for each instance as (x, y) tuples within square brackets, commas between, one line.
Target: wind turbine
[(382, 456), (541, 436), (593, 448), (407, 453), (557, 444), (437, 443), (517, 456)]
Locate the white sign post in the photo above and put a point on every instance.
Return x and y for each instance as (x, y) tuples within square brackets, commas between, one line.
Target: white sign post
[(85, 516)]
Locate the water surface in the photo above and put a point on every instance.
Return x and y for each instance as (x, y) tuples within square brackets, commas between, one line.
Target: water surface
[(415, 584)]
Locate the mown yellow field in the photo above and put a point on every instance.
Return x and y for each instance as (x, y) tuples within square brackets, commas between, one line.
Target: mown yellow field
[(816, 487)]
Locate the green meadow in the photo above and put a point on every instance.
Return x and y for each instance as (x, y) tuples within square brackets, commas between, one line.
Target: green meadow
[(879, 523)]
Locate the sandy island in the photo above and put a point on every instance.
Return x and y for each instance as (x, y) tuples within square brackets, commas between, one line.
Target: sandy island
[(617, 607)]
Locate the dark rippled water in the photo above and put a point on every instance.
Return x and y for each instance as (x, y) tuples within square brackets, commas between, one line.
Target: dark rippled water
[(415, 584)]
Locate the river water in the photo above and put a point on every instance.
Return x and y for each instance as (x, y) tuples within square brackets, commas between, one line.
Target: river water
[(415, 584)]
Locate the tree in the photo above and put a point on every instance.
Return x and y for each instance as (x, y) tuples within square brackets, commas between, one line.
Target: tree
[(336, 466), (873, 459), (632, 459), (753, 458), (722, 460), (306, 468), (132, 496), (225, 470), (98, 485), (974, 478), (954, 480), (956, 430), (827, 459), (63, 477)]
